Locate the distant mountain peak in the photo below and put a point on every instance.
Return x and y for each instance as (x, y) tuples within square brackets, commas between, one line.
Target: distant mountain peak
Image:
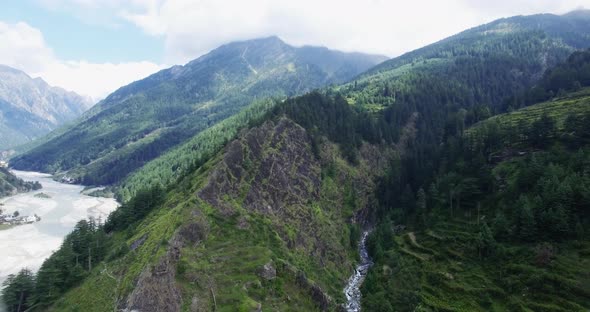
[(579, 12), (4, 69), (30, 108)]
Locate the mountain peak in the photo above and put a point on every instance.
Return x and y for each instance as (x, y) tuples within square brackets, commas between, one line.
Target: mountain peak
[(579, 12), (11, 70)]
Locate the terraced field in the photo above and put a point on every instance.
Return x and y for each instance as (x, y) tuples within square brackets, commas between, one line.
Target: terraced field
[(455, 279)]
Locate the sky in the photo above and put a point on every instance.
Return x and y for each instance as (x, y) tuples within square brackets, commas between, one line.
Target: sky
[(93, 47)]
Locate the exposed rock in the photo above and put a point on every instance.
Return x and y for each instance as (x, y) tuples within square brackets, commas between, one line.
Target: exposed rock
[(137, 243), (195, 304), (322, 300), (156, 288), (193, 232), (274, 162), (243, 223), (267, 271)]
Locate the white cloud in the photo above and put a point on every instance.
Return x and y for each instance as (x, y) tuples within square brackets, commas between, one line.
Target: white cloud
[(191, 28), (390, 27), (23, 47), (95, 79)]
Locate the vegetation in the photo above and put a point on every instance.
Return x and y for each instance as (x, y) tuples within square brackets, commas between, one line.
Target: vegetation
[(82, 249), (10, 184), (172, 166), (499, 225), (145, 119), (470, 212)]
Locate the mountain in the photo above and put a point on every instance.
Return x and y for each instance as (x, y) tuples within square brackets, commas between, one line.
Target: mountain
[(503, 227), (548, 32), (140, 121), (265, 210), (30, 108), (479, 72)]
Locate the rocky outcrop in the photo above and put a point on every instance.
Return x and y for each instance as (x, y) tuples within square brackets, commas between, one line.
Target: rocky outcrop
[(267, 271), (322, 300), (156, 288), (268, 170)]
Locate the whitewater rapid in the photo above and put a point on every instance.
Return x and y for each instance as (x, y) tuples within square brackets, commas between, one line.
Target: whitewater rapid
[(352, 291)]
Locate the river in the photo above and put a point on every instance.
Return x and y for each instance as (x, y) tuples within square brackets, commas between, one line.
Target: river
[(353, 287), (29, 245)]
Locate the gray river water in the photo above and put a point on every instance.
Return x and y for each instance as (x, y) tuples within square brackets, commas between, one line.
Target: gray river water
[(353, 288), (29, 245)]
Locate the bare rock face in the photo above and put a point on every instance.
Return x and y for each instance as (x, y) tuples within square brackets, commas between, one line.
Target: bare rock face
[(272, 165), (267, 271), (156, 288)]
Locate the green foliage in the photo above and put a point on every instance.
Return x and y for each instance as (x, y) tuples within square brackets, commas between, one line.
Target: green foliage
[(523, 172), (447, 184), (144, 120), (571, 75), (176, 163), (83, 248), (18, 290), (135, 209), (535, 196), (10, 184)]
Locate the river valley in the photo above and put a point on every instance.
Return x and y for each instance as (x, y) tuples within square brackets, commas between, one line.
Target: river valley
[(60, 209)]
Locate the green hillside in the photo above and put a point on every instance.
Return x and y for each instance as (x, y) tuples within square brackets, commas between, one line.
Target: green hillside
[(500, 226), (264, 210), (472, 73), (139, 122)]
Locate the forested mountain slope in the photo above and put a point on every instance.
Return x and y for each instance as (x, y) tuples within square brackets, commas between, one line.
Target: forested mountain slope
[(270, 220), (469, 76), (11, 185), (501, 223), (144, 119), (30, 108)]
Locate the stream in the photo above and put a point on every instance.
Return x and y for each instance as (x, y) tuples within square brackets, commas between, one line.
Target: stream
[(352, 291)]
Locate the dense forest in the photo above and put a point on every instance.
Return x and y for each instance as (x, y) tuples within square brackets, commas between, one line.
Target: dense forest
[(512, 190)]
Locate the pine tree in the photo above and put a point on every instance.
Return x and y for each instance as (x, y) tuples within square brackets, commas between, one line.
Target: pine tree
[(18, 290), (527, 225)]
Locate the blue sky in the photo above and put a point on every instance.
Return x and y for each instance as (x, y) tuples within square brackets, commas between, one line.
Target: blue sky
[(93, 47), (72, 37)]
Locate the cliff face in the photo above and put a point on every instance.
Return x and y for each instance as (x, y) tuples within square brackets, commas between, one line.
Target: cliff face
[(271, 170)]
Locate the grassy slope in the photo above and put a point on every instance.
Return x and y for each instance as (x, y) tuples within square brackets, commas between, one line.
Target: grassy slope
[(453, 278), (559, 108), (224, 264)]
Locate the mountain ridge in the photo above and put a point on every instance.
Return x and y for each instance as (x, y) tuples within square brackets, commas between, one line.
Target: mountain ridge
[(150, 116), (31, 108)]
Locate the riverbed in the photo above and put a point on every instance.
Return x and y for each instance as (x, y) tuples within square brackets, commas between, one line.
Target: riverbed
[(29, 245), (353, 287)]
